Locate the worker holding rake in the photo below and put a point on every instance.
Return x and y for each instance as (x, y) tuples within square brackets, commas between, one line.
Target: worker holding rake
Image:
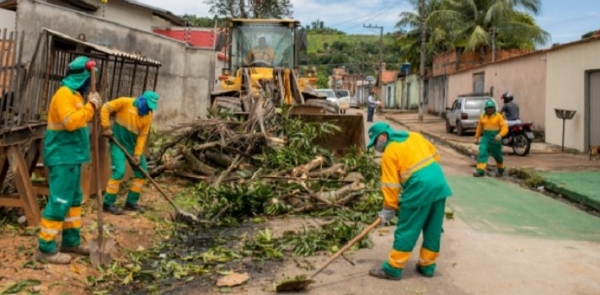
[(415, 190), (133, 117), (66, 147)]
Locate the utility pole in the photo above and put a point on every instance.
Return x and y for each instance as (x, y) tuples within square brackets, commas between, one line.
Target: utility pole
[(380, 96), (422, 13)]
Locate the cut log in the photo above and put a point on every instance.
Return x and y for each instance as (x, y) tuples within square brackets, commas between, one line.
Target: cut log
[(313, 164), (196, 165), (335, 171), (218, 158)]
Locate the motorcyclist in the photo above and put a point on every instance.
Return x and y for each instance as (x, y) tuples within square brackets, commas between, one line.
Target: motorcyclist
[(510, 110)]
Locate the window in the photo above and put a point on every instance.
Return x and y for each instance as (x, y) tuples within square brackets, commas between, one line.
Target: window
[(478, 82), (475, 103)]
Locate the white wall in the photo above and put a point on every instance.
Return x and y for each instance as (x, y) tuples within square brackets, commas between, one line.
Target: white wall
[(119, 12), (7, 19), (565, 89)]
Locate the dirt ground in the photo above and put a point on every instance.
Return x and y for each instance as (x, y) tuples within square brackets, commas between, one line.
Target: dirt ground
[(131, 231)]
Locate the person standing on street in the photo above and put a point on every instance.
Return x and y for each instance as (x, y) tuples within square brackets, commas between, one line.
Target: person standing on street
[(493, 127), (133, 117), (415, 190), (371, 103), (66, 147)]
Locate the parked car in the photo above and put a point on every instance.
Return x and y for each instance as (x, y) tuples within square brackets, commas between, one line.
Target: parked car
[(331, 96), (343, 96), (464, 113), (355, 102)]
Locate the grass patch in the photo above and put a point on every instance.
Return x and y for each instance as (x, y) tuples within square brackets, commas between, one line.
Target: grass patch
[(528, 177)]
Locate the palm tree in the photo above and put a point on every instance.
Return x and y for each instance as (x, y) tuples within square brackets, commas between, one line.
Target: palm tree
[(410, 42), (478, 24)]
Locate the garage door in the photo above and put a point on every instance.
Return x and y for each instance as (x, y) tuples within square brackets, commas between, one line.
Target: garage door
[(594, 110)]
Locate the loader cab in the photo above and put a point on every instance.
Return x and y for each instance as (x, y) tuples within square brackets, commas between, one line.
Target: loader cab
[(282, 39)]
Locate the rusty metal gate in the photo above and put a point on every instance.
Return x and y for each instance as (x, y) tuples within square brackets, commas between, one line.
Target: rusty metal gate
[(593, 110)]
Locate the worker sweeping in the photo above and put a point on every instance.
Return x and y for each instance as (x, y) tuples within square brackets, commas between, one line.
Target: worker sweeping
[(133, 117), (66, 147), (493, 127), (414, 189)]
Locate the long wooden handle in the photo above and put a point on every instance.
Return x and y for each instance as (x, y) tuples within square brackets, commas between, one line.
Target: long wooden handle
[(96, 159), (146, 174), (350, 244)]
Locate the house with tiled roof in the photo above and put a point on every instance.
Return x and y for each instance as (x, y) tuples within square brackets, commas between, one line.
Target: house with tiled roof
[(388, 80)]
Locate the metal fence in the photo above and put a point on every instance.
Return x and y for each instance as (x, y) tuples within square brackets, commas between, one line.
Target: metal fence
[(27, 91)]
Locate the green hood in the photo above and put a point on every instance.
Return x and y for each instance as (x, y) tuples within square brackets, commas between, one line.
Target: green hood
[(79, 74), (381, 127)]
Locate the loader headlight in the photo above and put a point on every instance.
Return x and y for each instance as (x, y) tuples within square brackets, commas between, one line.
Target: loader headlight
[(225, 72), (309, 74)]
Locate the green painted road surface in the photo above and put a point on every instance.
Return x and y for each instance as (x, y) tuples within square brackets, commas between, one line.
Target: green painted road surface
[(582, 187), (490, 205)]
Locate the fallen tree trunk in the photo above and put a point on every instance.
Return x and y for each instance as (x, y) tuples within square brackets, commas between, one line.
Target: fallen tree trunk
[(313, 164), (196, 165)]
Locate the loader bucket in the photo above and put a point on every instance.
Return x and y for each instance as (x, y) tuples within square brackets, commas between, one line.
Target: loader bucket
[(352, 130)]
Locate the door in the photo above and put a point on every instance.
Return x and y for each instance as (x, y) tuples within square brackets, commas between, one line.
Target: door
[(594, 109), (478, 84), (452, 113)]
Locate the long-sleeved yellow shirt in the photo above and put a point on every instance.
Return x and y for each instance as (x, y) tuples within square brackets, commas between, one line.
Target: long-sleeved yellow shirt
[(67, 136), (130, 129), (495, 122), (411, 174)]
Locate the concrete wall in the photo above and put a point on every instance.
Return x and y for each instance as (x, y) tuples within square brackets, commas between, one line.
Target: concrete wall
[(119, 12), (410, 92), (565, 89), (7, 20), (185, 78), (390, 93), (524, 77)]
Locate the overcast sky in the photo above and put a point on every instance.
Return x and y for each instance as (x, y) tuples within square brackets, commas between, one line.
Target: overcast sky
[(565, 20)]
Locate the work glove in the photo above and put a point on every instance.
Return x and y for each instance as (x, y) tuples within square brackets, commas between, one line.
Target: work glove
[(95, 99), (386, 215), (498, 137), (107, 132), (136, 160), (476, 141)]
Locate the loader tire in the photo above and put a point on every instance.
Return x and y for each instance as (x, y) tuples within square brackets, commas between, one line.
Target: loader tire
[(327, 106), (227, 103)]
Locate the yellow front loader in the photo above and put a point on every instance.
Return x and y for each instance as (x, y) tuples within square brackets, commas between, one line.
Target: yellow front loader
[(263, 58)]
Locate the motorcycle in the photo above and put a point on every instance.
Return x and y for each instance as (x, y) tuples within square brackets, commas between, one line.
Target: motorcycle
[(519, 137)]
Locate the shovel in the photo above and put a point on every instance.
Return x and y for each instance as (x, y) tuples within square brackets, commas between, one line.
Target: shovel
[(300, 283), (101, 247), (186, 215)]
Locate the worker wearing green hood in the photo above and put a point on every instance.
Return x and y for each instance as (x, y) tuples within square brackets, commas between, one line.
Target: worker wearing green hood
[(493, 127), (66, 147), (415, 190), (133, 117)]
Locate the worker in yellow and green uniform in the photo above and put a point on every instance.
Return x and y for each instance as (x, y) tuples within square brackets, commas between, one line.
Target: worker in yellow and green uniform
[(66, 147), (493, 127), (415, 190), (133, 117)]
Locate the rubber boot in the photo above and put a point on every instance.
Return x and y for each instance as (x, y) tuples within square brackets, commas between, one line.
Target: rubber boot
[(112, 209), (55, 258), (478, 173), (81, 250), (500, 172), (380, 273), (426, 271), (133, 207)]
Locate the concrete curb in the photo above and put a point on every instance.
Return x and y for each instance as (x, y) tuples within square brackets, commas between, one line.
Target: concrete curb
[(574, 196)]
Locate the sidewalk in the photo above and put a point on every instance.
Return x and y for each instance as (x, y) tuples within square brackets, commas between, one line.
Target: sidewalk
[(581, 187)]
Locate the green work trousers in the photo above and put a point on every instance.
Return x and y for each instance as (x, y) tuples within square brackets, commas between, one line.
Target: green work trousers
[(411, 221), (63, 211), (118, 161), (489, 146)]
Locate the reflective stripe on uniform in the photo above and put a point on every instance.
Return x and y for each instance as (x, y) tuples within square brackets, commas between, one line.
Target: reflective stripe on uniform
[(127, 126), (404, 176), (389, 184)]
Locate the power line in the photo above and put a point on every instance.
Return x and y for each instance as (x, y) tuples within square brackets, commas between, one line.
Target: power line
[(370, 16)]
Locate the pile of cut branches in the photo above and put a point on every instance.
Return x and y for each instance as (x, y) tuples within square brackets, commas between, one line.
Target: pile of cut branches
[(268, 159)]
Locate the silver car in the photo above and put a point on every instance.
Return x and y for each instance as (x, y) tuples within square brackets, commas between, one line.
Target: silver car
[(464, 113)]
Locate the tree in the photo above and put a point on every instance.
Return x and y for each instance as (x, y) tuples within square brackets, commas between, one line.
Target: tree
[(254, 9), (196, 21), (480, 24)]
